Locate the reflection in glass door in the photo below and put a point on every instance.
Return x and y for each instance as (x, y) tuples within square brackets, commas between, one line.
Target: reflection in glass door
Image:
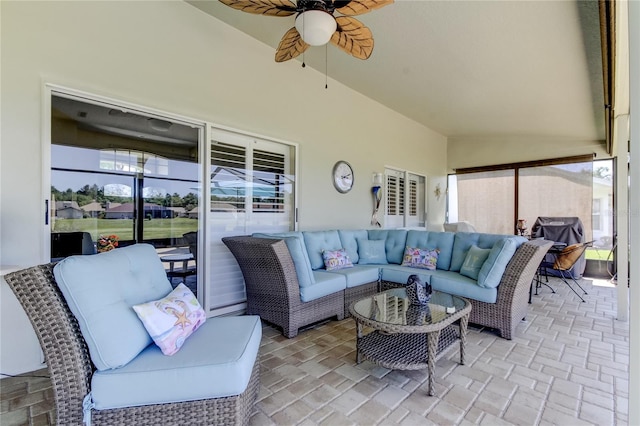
[(120, 178)]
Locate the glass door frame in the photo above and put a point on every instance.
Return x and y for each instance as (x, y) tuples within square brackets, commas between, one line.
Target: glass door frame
[(50, 90)]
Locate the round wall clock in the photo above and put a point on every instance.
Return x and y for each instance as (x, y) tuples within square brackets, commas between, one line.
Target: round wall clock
[(342, 176)]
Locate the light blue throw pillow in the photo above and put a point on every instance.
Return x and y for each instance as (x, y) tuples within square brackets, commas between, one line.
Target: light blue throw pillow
[(371, 252), (495, 265), (473, 261)]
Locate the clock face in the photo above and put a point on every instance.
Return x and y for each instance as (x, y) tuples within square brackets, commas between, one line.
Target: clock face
[(342, 176)]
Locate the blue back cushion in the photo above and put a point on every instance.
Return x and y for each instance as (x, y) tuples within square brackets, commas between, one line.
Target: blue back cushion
[(317, 242), (394, 241), (349, 241), (298, 251), (101, 290), (462, 242), (433, 240), (499, 257)]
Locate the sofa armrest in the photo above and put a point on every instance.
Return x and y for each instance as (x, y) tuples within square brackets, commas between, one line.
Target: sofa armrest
[(257, 256), (517, 277)]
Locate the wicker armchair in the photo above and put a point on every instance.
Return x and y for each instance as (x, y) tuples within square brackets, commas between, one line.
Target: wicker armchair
[(70, 366), (275, 295), (513, 292)]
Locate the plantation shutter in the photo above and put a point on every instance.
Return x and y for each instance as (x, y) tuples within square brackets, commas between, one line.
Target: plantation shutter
[(252, 190)]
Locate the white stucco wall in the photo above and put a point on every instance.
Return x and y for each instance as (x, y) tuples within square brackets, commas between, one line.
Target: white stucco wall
[(170, 56)]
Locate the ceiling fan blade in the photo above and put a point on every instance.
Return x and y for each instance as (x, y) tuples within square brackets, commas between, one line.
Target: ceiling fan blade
[(358, 7), (263, 7), (290, 46), (353, 37)]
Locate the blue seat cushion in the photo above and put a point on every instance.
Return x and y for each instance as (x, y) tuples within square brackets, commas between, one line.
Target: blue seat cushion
[(318, 241), (216, 361), (459, 285), (295, 243), (400, 274), (326, 283), (359, 274), (101, 289)]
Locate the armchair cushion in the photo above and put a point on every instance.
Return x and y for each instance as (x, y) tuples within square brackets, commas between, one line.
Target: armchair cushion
[(101, 290), (215, 362), (172, 319)]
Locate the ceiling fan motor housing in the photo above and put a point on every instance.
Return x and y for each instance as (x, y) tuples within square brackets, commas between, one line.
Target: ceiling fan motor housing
[(316, 26)]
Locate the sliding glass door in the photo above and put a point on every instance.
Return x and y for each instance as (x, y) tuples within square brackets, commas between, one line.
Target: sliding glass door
[(120, 177)]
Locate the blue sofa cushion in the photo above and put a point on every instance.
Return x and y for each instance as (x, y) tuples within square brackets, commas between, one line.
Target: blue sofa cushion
[(298, 250), (349, 241), (101, 290), (434, 240), (474, 260), (371, 252), (400, 274), (499, 257), (317, 242), (459, 285), (462, 242), (359, 274), (326, 283), (216, 361), (395, 242)]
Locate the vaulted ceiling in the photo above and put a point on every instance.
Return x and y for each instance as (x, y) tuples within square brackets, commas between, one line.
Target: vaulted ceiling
[(468, 69)]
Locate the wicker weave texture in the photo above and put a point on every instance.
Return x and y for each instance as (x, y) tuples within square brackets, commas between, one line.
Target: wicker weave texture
[(71, 369), (513, 292), (272, 286)]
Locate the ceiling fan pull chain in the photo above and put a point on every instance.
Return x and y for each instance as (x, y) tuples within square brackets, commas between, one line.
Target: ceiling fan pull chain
[(326, 60), (303, 64)]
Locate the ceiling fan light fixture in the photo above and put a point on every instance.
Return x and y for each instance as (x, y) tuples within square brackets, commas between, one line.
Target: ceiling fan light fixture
[(316, 27)]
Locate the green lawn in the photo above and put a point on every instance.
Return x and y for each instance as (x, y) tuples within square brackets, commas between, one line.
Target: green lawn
[(123, 228), (599, 254)]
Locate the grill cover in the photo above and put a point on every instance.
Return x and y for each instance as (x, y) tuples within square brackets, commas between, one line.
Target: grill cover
[(567, 230)]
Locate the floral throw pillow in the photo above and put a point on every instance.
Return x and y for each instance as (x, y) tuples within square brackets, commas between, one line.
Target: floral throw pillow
[(420, 258), (336, 259), (170, 320)]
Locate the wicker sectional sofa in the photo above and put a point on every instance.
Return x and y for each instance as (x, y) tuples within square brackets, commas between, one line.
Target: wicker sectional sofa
[(287, 283)]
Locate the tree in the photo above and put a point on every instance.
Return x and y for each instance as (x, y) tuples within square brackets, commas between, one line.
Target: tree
[(602, 173)]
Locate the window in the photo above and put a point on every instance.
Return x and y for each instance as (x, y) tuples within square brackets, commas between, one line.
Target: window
[(494, 198), (252, 190), (404, 199)]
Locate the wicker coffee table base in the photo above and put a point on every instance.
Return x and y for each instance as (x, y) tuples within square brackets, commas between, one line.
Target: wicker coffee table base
[(411, 351)]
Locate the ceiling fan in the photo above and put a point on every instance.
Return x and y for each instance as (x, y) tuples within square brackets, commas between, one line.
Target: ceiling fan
[(315, 24)]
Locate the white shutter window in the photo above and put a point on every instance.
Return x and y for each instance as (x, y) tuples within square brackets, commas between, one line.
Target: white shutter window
[(252, 190), (405, 199)]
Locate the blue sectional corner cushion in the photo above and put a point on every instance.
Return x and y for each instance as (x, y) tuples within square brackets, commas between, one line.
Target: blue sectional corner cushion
[(480, 267)]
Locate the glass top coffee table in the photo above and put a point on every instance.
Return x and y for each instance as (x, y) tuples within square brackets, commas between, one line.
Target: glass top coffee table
[(406, 336)]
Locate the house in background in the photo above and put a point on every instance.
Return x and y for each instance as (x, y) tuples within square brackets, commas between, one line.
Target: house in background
[(68, 210), (93, 209)]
